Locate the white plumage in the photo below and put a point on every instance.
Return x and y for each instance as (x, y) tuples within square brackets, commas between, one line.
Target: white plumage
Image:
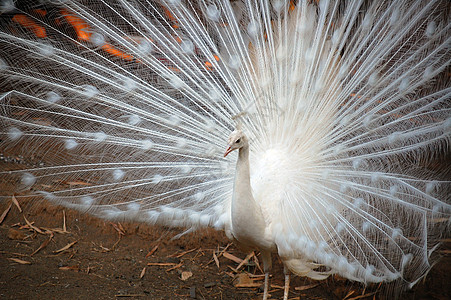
[(123, 109)]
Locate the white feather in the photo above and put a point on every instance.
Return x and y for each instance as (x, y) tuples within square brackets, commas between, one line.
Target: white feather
[(342, 101)]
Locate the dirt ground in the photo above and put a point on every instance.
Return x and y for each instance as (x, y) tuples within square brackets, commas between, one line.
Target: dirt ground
[(48, 252)]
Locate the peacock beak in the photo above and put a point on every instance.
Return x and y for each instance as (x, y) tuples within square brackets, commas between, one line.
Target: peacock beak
[(228, 150)]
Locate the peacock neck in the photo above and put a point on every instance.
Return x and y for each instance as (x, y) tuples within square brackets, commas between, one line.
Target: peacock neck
[(243, 174), (247, 219)]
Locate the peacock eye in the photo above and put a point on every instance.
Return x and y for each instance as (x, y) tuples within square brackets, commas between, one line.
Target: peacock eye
[(237, 141)]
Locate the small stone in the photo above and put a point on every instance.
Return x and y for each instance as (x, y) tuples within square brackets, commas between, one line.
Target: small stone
[(185, 275), (14, 234), (209, 284), (192, 292)]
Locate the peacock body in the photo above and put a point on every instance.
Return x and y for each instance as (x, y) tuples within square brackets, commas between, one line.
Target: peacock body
[(122, 109)]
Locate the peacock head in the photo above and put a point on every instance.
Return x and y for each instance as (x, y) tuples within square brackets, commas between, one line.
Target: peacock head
[(237, 140)]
